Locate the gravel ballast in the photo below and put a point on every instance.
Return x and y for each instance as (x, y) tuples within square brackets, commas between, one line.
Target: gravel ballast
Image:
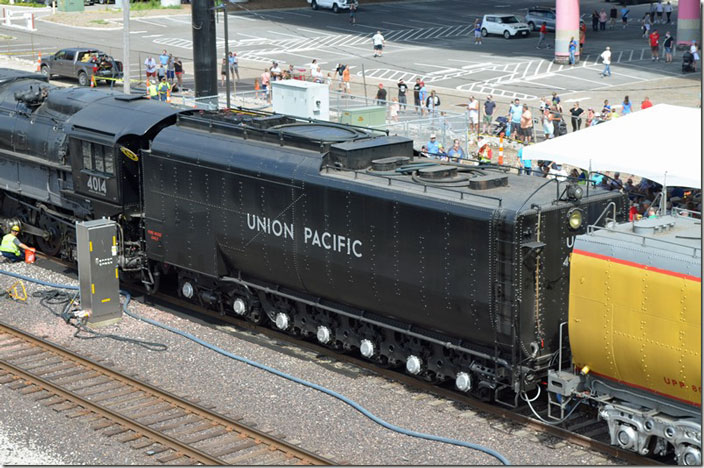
[(307, 417)]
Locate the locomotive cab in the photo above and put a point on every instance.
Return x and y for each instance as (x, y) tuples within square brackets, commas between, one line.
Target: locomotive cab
[(95, 173), (104, 145)]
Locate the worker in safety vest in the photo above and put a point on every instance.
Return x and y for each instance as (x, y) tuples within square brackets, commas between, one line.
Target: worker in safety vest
[(152, 91), (12, 248), (484, 151), (164, 89)]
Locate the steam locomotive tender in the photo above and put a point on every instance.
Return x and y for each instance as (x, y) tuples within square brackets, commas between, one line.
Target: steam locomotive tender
[(459, 273)]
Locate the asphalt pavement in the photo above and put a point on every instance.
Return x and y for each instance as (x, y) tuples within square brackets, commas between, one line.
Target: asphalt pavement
[(432, 40)]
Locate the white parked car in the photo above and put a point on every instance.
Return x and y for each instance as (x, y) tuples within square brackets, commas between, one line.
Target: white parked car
[(335, 5), (505, 25)]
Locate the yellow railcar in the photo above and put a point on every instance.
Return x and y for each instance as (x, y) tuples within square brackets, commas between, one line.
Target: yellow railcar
[(634, 326)]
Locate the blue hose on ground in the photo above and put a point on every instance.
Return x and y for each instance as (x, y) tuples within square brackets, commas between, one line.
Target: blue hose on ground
[(278, 373)]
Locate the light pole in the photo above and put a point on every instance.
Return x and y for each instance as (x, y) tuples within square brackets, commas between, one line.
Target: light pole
[(223, 7), (126, 46)]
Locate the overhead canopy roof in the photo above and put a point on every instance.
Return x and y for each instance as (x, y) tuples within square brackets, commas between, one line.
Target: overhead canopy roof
[(662, 143)]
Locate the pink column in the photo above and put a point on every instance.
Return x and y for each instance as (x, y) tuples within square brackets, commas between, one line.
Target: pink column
[(688, 22), (566, 28)]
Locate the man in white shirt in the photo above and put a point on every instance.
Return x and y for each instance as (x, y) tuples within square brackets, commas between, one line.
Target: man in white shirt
[(606, 58), (473, 111), (275, 72), (378, 41)]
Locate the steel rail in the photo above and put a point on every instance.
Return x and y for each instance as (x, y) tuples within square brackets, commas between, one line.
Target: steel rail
[(565, 434), (195, 454)]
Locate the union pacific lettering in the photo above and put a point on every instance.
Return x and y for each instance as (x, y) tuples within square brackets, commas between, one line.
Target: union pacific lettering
[(681, 384), (311, 236)]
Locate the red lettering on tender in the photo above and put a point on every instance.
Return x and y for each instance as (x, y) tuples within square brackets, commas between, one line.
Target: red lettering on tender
[(154, 235)]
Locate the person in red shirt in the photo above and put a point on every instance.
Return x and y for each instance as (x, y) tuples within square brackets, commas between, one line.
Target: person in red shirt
[(646, 103), (543, 34), (654, 39), (582, 36)]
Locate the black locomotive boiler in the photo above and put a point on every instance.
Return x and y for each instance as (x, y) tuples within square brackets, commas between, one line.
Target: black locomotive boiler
[(341, 234)]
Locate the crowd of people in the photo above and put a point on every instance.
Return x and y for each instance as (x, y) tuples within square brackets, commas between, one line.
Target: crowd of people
[(164, 75)]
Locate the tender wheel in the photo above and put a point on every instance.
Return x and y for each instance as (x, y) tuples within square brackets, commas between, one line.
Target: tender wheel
[(531, 25), (83, 79), (484, 32), (45, 71), (314, 5), (507, 35), (335, 8)]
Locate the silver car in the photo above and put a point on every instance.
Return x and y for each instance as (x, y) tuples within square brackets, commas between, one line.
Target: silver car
[(536, 16)]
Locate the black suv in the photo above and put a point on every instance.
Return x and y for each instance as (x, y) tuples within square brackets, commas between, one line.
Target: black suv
[(537, 15)]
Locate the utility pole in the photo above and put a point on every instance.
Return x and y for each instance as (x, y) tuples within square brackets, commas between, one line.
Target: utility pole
[(126, 46), (223, 6)]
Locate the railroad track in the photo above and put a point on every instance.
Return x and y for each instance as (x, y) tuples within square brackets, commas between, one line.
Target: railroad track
[(168, 427), (584, 430)]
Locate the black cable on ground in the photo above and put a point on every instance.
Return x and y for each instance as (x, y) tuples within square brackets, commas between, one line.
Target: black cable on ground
[(57, 297)]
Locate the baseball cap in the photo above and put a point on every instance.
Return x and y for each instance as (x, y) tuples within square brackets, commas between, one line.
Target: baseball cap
[(432, 135)]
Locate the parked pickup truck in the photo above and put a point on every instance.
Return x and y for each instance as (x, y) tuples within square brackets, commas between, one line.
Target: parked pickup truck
[(82, 63), (335, 5)]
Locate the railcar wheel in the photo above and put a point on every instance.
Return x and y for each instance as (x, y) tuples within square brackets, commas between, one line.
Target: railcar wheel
[(51, 243), (187, 289), (691, 456)]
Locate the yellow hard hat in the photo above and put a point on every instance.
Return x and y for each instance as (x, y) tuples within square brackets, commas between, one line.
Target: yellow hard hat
[(15, 228)]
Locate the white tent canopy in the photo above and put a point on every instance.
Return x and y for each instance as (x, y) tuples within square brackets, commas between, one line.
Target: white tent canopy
[(662, 143)]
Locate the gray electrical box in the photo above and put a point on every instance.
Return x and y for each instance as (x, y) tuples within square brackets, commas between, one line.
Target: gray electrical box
[(97, 271)]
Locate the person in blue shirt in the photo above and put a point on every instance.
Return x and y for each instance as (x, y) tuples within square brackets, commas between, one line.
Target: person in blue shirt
[(627, 106), (456, 152), (514, 113), (572, 49), (164, 58), (423, 96), (526, 164), (434, 148)]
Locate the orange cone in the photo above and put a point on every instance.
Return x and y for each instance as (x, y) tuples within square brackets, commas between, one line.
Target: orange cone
[(501, 149), (92, 81), (39, 62)]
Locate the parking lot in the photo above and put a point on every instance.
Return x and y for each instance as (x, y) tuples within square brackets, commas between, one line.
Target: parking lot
[(430, 40)]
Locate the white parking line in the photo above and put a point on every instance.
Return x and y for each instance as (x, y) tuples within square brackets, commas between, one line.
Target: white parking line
[(591, 81), (283, 34), (295, 13), (150, 22), (242, 17), (152, 35), (395, 24), (427, 22), (312, 30), (137, 32)]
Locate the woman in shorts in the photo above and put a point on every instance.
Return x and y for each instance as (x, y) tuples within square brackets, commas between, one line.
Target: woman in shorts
[(223, 71), (477, 32)]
